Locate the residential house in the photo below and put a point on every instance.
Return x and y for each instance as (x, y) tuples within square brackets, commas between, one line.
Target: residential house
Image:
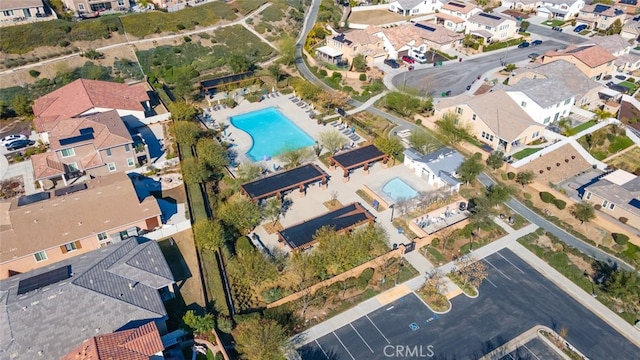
[(617, 194), (84, 97), (415, 7), (344, 47), (618, 46), (454, 14), (629, 113), (143, 342), (522, 5), (47, 312), (95, 145), (560, 9), (437, 168), (17, 12), (93, 7), (585, 90), (491, 27), (593, 60), (600, 16), (544, 100), (628, 6), (47, 227), (506, 127), (631, 29)]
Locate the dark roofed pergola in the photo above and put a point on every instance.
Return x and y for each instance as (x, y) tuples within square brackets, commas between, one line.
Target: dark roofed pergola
[(355, 158), (300, 236), (207, 85), (281, 182)]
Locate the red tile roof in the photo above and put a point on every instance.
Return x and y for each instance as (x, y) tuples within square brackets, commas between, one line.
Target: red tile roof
[(135, 344), (82, 95), (591, 55), (108, 130)]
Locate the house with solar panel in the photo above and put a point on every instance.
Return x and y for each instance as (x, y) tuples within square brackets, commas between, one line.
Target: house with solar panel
[(616, 194), (415, 7), (94, 145), (48, 312), (491, 27), (600, 16), (42, 229), (454, 14), (560, 9)]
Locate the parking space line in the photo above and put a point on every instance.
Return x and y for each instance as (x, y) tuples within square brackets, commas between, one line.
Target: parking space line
[(360, 336), (503, 274), (321, 349), (374, 325), (529, 350), (510, 262), (491, 282), (511, 356), (348, 352)]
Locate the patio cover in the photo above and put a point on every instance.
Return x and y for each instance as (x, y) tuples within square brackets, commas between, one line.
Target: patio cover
[(329, 51), (284, 181), (357, 157)]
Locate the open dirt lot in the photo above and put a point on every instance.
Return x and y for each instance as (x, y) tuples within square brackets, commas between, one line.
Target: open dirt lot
[(557, 165), (183, 252), (376, 17)]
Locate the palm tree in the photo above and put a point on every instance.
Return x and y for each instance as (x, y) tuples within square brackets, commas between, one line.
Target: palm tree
[(248, 171), (295, 158)]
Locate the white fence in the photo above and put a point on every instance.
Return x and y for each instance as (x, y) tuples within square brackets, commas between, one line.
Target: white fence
[(156, 119), (369, 7), (168, 230)]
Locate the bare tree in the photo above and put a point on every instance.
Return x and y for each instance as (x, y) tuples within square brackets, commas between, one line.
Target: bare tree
[(471, 270), (404, 205), (446, 235), (436, 280)]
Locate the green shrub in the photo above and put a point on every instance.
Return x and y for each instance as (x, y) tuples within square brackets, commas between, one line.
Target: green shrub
[(620, 239), (244, 245), (631, 80), (34, 73), (364, 278), (503, 176), (336, 75), (64, 43), (180, 27), (186, 39), (363, 77), (559, 204), (511, 175), (323, 72), (435, 242), (527, 196), (547, 197), (528, 203)]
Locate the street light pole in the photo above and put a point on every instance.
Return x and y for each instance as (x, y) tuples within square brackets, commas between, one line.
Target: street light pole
[(392, 206)]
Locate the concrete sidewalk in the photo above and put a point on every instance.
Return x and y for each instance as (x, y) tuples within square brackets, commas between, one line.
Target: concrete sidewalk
[(581, 296)]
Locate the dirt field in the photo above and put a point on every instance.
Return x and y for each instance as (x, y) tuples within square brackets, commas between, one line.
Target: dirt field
[(628, 160), (181, 253), (376, 17)]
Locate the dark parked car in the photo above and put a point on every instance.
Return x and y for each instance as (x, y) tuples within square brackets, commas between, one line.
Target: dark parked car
[(534, 56), (18, 144), (468, 87), (392, 63), (557, 28), (408, 59), (523, 45), (579, 28), (536, 42), (621, 77)]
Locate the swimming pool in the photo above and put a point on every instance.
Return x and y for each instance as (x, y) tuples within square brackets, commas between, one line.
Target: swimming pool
[(272, 133), (398, 189)]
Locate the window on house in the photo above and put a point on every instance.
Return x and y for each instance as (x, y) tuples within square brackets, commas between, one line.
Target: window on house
[(68, 152), (81, 7), (127, 148), (605, 203), (108, 152), (73, 167), (612, 206), (588, 195), (547, 119), (523, 104), (130, 162), (7, 13), (566, 102), (70, 247), (111, 166), (473, 117), (535, 135), (40, 256), (103, 236), (459, 110), (558, 105)]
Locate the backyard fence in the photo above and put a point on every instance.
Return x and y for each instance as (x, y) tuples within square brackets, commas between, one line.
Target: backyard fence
[(168, 230)]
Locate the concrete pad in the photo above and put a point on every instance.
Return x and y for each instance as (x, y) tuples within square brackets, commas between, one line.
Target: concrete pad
[(394, 294)]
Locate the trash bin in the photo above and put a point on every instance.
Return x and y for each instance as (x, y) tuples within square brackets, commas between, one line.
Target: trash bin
[(444, 94)]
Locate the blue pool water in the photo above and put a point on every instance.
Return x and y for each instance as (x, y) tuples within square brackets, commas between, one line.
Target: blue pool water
[(398, 189), (272, 133)]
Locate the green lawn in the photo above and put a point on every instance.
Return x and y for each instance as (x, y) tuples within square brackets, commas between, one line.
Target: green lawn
[(553, 23), (620, 143), (526, 152), (629, 85), (582, 127)]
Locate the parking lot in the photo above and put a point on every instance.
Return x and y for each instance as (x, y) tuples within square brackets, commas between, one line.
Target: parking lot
[(534, 349), (513, 299)]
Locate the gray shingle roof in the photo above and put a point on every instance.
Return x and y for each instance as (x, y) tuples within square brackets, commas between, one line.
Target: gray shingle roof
[(572, 77), (444, 162), (619, 195), (409, 4), (98, 299), (545, 92)]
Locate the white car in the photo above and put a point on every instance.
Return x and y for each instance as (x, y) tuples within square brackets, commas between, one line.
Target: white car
[(11, 138)]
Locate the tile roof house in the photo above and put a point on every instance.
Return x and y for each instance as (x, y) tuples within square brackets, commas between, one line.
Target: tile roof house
[(414, 7), (584, 90), (44, 228), (544, 100), (18, 12), (523, 5), (454, 14), (615, 44), (593, 60), (141, 343), (437, 168), (617, 194), (96, 145), (631, 29), (600, 16), (506, 127), (560, 9), (491, 27), (47, 312), (84, 96), (419, 36), (346, 46)]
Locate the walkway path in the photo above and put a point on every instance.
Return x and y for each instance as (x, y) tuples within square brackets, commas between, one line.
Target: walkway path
[(364, 106), (240, 21)]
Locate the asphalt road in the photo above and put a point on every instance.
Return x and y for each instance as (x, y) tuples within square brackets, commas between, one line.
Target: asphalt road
[(564, 236), (513, 299)]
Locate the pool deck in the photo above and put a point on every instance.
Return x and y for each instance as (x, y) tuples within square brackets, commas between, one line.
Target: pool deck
[(242, 140)]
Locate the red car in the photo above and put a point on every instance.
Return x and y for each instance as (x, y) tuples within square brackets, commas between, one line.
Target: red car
[(408, 59)]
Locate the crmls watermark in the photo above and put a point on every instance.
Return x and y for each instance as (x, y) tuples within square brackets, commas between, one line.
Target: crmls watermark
[(408, 351)]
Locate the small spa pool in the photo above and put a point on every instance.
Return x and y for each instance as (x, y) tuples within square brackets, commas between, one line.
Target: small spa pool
[(397, 189)]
